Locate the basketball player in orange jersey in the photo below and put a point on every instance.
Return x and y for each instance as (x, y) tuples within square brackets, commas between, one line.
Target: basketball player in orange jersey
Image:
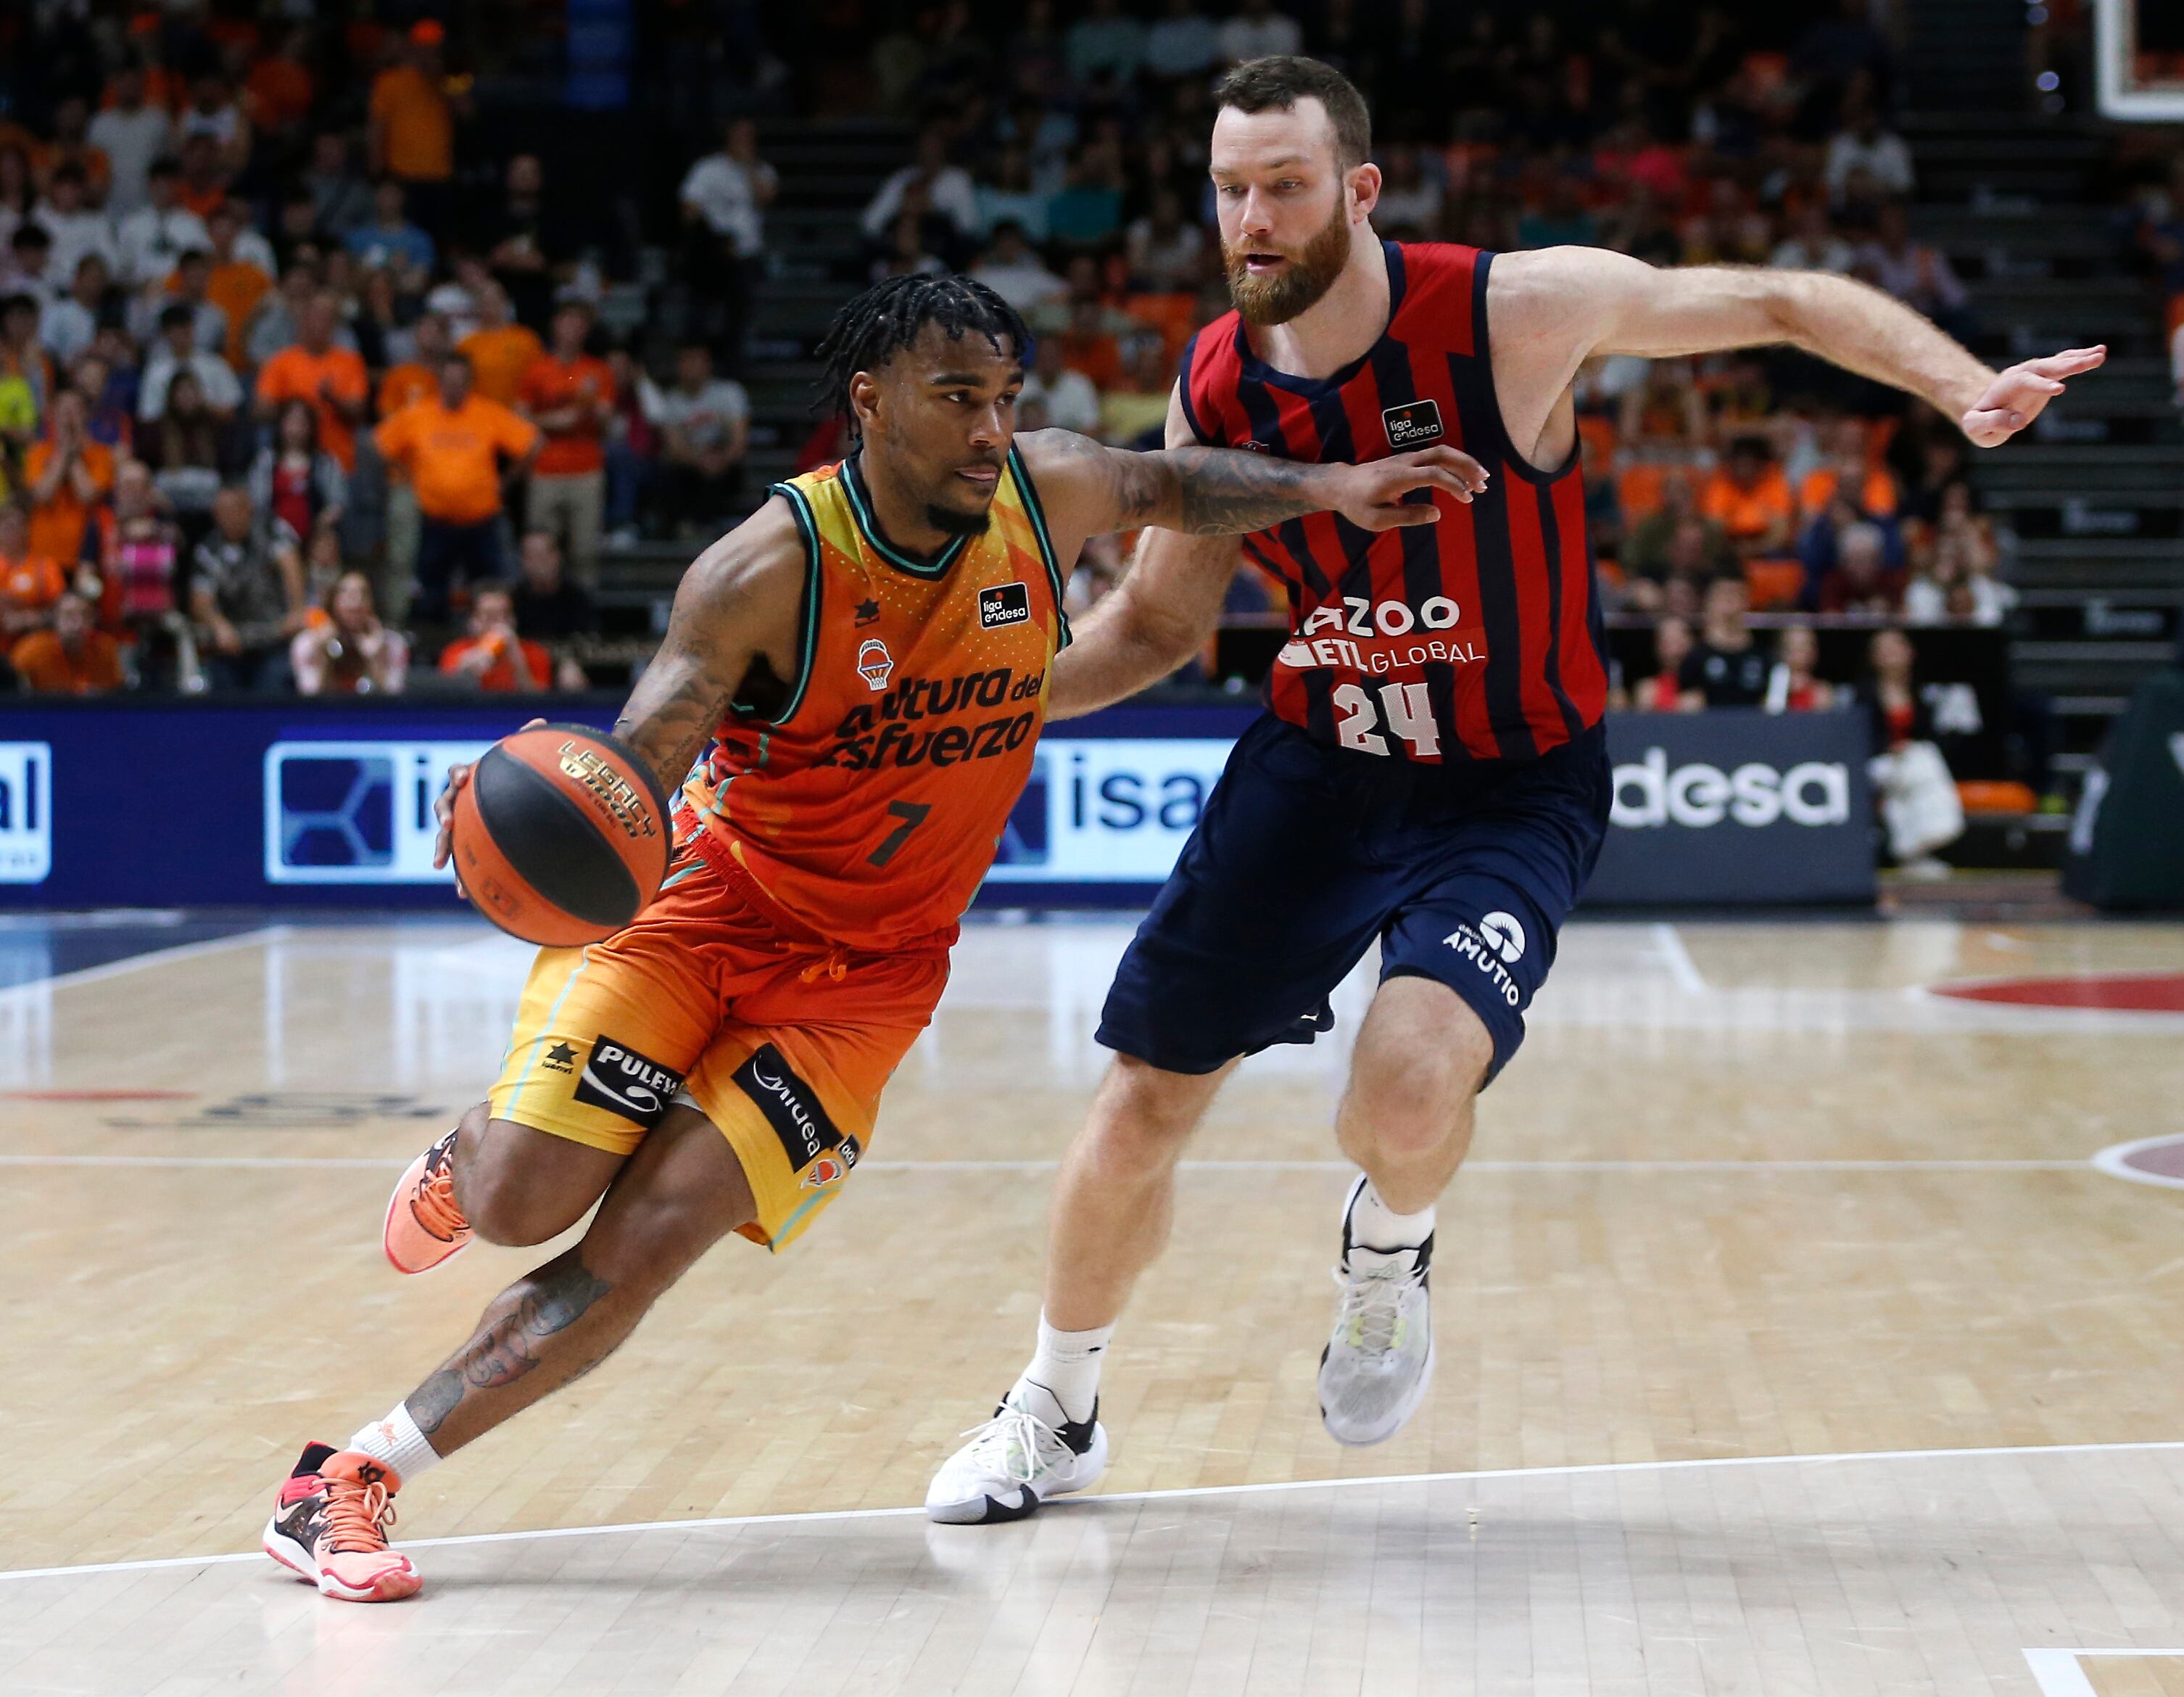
[(1431, 777), (863, 664)]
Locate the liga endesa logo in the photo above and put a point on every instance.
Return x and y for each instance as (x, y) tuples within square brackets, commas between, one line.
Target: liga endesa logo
[(1698, 796)]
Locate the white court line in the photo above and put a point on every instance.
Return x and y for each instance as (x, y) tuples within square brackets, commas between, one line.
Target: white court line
[(180, 951), (1271, 1487), (2114, 1161), (2057, 1673), (392, 1163), (1668, 943)]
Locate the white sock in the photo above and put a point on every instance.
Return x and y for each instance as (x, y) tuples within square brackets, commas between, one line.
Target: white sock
[(398, 1443), (1375, 1226), (1063, 1378)]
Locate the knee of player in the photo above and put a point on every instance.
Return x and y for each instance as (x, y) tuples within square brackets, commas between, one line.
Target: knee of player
[(506, 1206), (1410, 1106), (1139, 1121)]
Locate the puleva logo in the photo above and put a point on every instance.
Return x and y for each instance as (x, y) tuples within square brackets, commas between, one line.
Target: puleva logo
[(26, 811), (620, 1079)]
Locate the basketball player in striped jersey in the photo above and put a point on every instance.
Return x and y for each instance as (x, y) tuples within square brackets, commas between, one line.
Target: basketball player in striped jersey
[(864, 667), (1430, 775)]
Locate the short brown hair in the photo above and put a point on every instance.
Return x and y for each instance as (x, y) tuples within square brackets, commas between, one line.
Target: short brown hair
[(1277, 83)]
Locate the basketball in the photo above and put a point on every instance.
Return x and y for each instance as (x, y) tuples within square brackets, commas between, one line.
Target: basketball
[(561, 836)]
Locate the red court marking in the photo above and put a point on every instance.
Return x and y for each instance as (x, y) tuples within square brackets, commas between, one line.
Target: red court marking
[(100, 1095), (2136, 992)]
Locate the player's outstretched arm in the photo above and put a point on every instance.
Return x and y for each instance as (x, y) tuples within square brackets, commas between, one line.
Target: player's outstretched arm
[(740, 599), (1556, 307), (1088, 488)]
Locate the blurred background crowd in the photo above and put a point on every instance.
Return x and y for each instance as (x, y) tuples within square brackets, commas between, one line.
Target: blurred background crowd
[(328, 362)]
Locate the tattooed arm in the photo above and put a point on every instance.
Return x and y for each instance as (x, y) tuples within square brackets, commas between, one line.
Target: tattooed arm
[(737, 605), (1088, 489)]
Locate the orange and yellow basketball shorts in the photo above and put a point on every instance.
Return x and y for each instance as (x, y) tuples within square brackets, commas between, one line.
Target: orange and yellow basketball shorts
[(783, 1043)]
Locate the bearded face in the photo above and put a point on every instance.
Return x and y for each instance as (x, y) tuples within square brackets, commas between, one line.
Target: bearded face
[(1272, 285)]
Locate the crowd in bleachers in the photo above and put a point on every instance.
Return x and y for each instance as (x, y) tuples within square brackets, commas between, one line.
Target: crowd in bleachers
[(274, 374)]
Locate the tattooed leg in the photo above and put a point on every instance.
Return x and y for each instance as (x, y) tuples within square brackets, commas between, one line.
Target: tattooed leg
[(679, 1194)]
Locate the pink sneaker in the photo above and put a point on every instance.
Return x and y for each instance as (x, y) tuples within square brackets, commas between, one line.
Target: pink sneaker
[(330, 1526), (424, 1225)]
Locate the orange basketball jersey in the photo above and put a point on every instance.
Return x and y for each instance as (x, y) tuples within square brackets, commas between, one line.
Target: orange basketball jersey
[(870, 809)]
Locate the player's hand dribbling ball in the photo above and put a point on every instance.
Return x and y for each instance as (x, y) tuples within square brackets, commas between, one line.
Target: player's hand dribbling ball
[(560, 834)]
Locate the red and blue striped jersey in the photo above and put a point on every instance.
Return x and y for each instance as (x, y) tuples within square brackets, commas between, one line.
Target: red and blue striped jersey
[(1478, 637)]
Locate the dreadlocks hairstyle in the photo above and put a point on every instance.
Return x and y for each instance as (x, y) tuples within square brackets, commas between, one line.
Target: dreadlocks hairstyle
[(888, 317)]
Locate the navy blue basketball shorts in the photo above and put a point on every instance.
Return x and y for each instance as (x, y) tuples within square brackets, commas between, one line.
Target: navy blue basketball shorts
[(1305, 855)]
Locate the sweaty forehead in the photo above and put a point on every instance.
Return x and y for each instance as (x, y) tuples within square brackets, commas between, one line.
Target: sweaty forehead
[(1302, 135), (937, 357)]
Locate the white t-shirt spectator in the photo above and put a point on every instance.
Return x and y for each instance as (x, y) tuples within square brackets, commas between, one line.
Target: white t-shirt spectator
[(1185, 46), (1114, 45), (75, 234), (150, 241), (1884, 158), (708, 418), (1796, 253), (1243, 38), (2177, 363), (1926, 602), (1919, 276), (1419, 206), (724, 190), (131, 141), (66, 326), (949, 194), (223, 124), (223, 391), (1025, 285), (1024, 206), (1169, 263), (1071, 401)]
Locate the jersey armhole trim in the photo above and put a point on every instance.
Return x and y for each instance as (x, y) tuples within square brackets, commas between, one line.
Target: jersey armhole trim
[(1183, 393), (814, 579), (1483, 355), (1037, 515)]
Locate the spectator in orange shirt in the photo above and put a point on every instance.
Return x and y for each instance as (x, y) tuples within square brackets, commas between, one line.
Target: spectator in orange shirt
[(456, 448), (412, 133), (415, 379), (418, 377), (569, 395), (493, 656), (30, 582), (277, 94), (73, 658), (500, 349), (1869, 487), (237, 284), (332, 379), (1090, 347), (69, 475), (203, 188), (1749, 498)]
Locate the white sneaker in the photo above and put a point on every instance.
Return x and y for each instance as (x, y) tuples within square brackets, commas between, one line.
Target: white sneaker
[(1376, 1367), (1014, 1462)]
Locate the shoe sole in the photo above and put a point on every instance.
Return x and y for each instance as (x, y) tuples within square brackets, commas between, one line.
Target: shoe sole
[(395, 1204), (984, 1512), (1402, 1416), (297, 1560)]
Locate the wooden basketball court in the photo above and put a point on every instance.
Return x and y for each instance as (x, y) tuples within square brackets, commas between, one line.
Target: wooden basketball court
[(1791, 1340)]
